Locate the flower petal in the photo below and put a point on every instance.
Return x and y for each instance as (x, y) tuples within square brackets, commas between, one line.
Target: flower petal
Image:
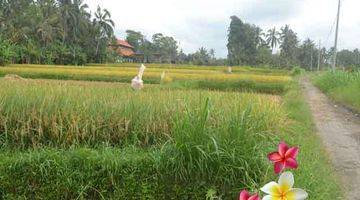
[(274, 156), (283, 147), (269, 197), (286, 181), (297, 194), (278, 167), (254, 197), (292, 152), (271, 188), (244, 195), (291, 163)]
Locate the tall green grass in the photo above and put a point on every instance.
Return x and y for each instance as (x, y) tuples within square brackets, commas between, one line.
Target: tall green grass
[(343, 87), (214, 141), (58, 114), (179, 144)]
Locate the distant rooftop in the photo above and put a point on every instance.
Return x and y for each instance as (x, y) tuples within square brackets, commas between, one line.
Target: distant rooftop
[(124, 43)]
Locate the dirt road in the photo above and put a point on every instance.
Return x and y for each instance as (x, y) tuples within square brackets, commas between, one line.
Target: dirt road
[(340, 131)]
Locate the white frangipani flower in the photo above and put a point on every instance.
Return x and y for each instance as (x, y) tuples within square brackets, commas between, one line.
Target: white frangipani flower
[(283, 190)]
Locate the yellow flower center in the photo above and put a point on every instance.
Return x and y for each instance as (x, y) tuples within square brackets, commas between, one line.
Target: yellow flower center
[(282, 192)]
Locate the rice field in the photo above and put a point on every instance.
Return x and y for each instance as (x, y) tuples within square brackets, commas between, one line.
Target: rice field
[(111, 113), (217, 78), (85, 139)]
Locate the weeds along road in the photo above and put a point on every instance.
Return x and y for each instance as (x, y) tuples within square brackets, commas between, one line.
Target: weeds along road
[(340, 132)]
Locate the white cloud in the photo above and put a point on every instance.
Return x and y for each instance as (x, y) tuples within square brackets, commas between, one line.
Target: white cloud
[(196, 23)]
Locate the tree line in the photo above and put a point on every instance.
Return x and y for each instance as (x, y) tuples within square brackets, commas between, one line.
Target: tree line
[(65, 32), (165, 49), (53, 32), (248, 44)]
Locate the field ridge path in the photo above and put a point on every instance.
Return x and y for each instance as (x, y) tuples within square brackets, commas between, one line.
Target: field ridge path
[(339, 130)]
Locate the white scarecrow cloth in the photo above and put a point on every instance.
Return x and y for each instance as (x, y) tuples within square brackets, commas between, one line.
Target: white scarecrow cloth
[(137, 83)]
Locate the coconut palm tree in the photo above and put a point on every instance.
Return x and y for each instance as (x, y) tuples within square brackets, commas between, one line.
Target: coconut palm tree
[(272, 38), (67, 16), (48, 25), (104, 22), (82, 17), (104, 25), (81, 25), (259, 37)]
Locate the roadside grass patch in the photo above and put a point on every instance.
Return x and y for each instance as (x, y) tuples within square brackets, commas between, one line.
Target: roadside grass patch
[(343, 87)]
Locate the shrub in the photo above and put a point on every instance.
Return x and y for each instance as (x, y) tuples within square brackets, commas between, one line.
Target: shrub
[(6, 52), (297, 71)]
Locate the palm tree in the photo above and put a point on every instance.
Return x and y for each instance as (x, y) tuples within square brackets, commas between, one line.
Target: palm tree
[(104, 22), (259, 37), (272, 38), (212, 53), (69, 14), (284, 32), (82, 17), (48, 26), (104, 25), (80, 24)]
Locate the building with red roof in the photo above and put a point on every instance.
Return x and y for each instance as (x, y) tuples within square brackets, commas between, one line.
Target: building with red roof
[(128, 53), (124, 49)]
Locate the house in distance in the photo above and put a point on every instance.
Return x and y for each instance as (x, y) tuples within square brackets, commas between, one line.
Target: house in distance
[(124, 49), (129, 54)]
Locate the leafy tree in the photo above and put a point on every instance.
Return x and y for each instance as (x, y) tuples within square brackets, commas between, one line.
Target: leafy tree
[(135, 38), (307, 54), (289, 45), (35, 27), (182, 58), (165, 46), (264, 56), (6, 52), (200, 57), (146, 48), (347, 58), (244, 41), (356, 53)]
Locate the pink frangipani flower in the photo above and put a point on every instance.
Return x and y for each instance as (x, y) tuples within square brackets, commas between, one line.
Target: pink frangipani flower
[(244, 195), (285, 157)]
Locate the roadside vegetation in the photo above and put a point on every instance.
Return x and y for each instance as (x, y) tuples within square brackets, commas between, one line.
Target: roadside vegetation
[(343, 87), (301, 131)]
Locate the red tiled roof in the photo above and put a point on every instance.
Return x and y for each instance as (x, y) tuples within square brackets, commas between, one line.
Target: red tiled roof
[(126, 52), (124, 43)]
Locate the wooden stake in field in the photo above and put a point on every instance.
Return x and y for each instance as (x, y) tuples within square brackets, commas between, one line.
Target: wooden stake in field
[(137, 83)]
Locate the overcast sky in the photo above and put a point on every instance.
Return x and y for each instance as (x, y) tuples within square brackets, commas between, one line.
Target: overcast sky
[(196, 23)]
